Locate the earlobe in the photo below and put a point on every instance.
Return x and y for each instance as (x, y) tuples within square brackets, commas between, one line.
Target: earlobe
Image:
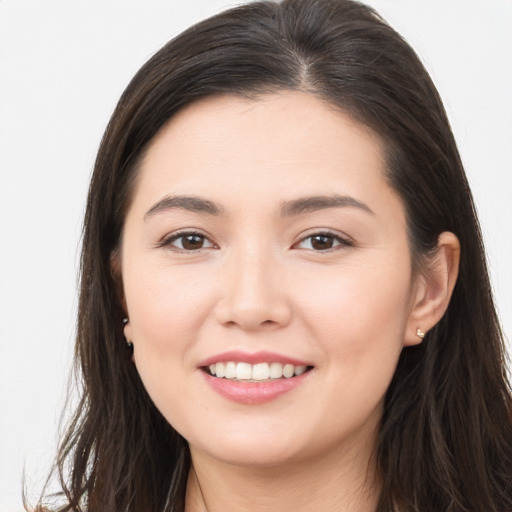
[(434, 289), (127, 331), (115, 270), (128, 336)]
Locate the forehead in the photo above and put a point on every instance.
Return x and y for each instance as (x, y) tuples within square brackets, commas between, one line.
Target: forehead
[(278, 144)]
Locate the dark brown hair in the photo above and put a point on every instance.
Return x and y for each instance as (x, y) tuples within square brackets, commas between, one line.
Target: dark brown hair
[(445, 442)]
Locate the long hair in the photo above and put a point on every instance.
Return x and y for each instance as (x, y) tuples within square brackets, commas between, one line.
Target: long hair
[(445, 442)]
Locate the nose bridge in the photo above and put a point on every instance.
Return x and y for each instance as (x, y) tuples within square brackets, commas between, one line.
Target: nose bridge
[(253, 294)]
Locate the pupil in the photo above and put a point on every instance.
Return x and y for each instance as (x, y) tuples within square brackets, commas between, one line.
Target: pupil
[(322, 242), (192, 242)]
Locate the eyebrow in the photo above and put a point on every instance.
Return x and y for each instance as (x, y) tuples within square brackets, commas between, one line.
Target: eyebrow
[(290, 208), (190, 203), (315, 203)]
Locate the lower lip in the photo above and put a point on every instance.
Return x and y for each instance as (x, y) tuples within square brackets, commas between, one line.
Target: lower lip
[(253, 393)]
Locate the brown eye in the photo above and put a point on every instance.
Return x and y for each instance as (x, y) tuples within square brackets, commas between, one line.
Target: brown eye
[(192, 242), (189, 242), (323, 242)]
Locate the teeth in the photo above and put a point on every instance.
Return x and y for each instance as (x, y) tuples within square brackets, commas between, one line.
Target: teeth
[(230, 370), (288, 370), (255, 372), (220, 370), (243, 371), (299, 370), (276, 370), (260, 371)]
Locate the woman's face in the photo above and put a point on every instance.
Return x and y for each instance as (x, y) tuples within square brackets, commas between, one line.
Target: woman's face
[(264, 240)]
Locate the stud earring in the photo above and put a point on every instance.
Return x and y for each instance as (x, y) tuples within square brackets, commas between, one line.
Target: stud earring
[(420, 333), (129, 344)]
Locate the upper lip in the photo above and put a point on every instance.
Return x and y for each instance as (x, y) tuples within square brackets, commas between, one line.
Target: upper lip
[(262, 356)]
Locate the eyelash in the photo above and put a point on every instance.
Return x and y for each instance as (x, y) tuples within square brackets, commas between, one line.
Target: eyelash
[(341, 241), (336, 237), (168, 242)]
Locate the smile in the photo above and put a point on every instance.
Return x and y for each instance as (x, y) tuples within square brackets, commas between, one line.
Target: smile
[(243, 371), (254, 378)]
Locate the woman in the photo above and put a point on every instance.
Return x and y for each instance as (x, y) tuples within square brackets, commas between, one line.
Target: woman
[(284, 301)]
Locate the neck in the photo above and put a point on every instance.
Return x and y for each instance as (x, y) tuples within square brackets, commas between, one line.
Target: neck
[(334, 481)]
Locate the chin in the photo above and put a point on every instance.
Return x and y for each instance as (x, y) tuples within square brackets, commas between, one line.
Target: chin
[(254, 457), (251, 448)]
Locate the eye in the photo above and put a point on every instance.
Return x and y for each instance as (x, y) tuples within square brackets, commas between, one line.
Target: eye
[(323, 242), (188, 241)]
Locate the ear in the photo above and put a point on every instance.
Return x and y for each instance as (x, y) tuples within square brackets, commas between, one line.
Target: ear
[(117, 277), (115, 270), (434, 288)]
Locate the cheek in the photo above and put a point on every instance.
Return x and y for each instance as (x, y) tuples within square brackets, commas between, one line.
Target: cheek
[(166, 305), (358, 321), (167, 308), (360, 314)]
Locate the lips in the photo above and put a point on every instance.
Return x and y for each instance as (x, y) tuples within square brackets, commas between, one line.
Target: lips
[(262, 356), (253, 378)]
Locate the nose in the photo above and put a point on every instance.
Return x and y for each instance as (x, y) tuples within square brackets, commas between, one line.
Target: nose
[(254, 294)]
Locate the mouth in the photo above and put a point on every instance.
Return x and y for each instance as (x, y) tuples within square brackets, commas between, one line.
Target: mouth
[(259, 372), (254, 378)]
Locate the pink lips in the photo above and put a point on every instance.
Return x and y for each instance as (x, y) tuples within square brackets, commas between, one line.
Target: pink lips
[(257, 357), (253, 393)]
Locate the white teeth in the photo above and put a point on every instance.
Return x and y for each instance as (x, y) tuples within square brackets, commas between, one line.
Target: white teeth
[(255, 372), (299, 370), (276, 370), (243, 371), (260, 371), (220, 369), (230, 370), (288, 370)]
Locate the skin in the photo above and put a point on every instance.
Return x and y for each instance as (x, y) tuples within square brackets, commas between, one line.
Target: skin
[(258, 281)]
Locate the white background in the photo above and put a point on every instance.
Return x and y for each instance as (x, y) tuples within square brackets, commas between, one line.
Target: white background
[(63, 66)]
